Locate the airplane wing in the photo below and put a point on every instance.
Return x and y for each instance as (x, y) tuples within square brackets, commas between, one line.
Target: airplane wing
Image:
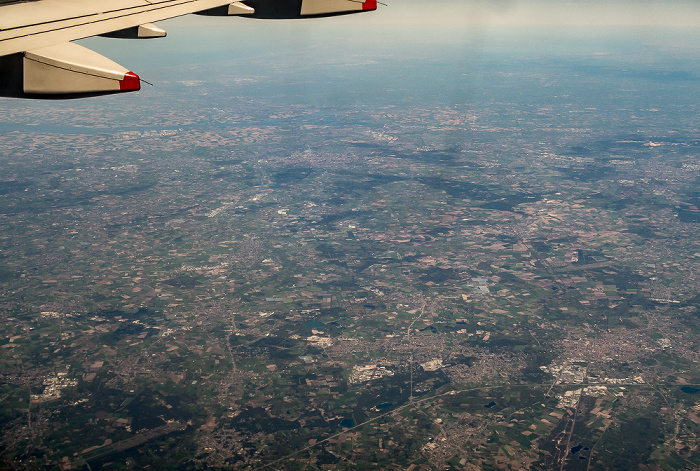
[(38, 59)]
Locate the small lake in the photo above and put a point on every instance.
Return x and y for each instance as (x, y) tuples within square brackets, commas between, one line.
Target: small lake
[(578, 448), (690, 390)]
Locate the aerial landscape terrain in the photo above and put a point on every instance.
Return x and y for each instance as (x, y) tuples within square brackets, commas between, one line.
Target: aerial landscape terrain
[(478, 251)]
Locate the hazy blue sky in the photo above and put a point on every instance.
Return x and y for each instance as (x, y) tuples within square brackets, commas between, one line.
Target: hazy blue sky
[(536, 12), (596, 12), (403, 25)]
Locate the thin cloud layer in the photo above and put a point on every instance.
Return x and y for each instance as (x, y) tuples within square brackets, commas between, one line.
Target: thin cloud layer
[(537, 12)]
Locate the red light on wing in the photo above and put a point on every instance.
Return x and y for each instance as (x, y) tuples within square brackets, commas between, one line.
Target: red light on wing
[(369, 5), (130, 82)]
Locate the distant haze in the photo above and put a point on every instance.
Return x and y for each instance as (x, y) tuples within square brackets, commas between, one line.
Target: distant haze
[(545, 12)]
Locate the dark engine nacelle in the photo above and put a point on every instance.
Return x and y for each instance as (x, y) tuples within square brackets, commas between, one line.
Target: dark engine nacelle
[(290, 9)]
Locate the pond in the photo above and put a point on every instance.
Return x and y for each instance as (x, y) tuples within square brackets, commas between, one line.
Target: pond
[(314, 324), (578, 448)]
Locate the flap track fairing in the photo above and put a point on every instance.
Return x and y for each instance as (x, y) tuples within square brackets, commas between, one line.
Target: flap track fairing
[(62, 70), (291, 9), (144, 31)]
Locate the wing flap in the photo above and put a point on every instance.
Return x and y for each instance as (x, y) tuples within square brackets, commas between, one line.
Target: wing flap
[(327, 7)]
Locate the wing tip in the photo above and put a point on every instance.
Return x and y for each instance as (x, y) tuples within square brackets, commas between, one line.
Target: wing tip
[(130, 82)]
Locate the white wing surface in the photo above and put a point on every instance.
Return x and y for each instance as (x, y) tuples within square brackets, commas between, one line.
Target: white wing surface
[(37, 58)]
